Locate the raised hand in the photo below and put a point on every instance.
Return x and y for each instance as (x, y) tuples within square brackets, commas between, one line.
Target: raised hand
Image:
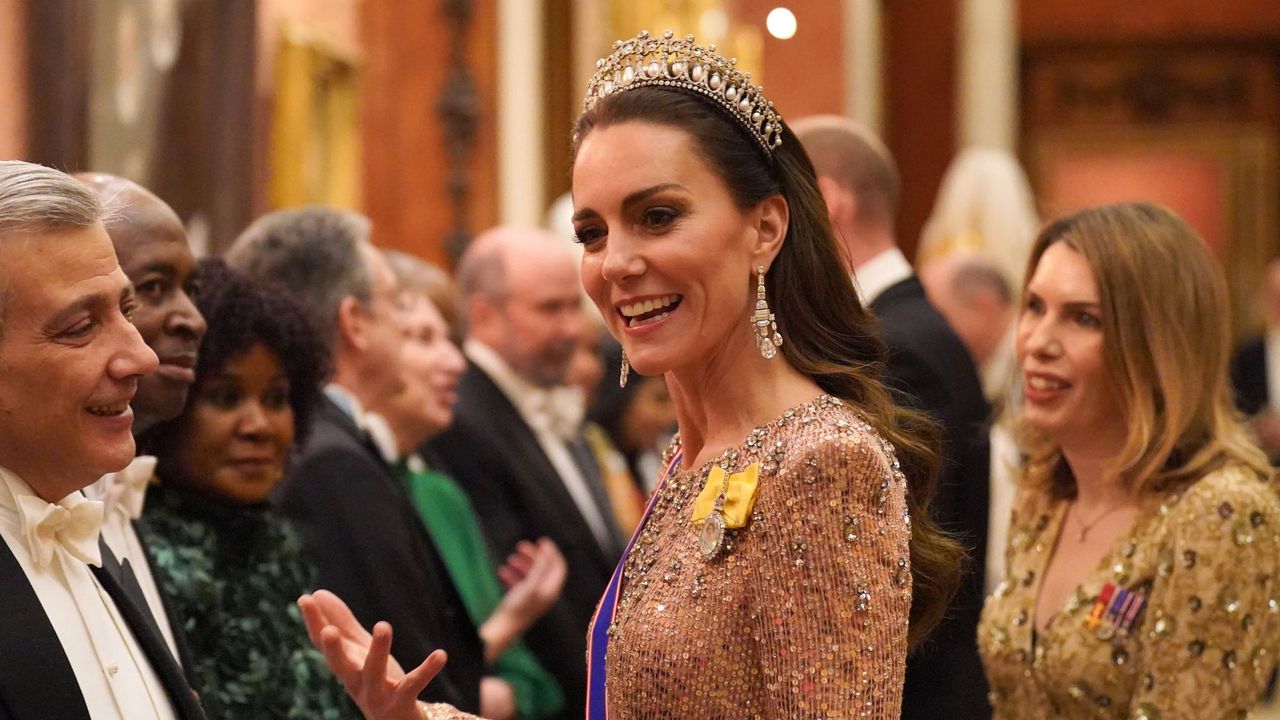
[(363, 662), (534, 575)]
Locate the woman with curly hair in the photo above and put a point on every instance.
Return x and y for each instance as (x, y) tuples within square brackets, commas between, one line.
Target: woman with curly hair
[(229, 565)]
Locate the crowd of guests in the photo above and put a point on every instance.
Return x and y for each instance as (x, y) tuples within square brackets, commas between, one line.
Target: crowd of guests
[(464, 457)]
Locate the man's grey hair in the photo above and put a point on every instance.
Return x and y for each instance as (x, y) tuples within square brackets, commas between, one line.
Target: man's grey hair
[(36, 199), (314, 252), (482, 270)]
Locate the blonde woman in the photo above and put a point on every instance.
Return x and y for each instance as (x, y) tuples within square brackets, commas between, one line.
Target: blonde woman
[(1143, 546)]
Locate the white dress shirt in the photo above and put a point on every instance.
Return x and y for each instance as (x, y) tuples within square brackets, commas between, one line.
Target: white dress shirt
[(123, 494), (113, 673), (880, 273), (1006, 464), (555, 416)]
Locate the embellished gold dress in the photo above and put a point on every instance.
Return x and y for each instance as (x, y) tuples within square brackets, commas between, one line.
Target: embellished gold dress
[(803, 614), (1202, 558)]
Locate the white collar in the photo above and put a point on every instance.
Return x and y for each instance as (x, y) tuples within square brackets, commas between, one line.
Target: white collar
[(516, 388), (348, 403), (880, 273), (125, 491), (384, 438)]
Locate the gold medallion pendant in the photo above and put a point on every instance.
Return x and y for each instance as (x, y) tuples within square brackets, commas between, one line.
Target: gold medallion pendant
[(711, 535), (724, 504)]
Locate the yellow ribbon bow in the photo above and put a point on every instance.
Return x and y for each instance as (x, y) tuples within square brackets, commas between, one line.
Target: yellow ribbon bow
[(739, 495)]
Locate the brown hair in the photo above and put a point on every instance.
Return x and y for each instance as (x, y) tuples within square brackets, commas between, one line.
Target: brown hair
[(416, 275), (857, 160), (1166, 341), (831, 337)]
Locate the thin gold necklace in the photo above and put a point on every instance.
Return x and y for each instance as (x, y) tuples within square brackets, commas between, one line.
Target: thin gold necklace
[(1085, 527)]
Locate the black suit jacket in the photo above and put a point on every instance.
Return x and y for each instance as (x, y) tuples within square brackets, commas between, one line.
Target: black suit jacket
[(36, 678), (1249, 375), (930, 369), (495, 456), (373, 552)]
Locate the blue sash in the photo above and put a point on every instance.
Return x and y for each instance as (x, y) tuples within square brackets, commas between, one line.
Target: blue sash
[(598, 637)]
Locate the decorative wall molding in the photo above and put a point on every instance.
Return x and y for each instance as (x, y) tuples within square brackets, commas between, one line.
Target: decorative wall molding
[(459, 111), (1151, 85), (1155, 92)]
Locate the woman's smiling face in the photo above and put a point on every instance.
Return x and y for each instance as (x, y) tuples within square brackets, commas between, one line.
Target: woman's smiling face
[(668, 255), (1067, 394)]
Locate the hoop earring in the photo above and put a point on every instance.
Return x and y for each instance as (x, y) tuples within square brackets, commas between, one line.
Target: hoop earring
[(763, 321), (625, 371)]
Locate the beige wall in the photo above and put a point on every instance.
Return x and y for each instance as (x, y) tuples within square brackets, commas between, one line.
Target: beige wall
[(13, 87)]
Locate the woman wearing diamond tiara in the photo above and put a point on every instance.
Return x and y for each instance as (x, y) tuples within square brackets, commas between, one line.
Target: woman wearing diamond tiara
[(1143, 559), (773, 573)]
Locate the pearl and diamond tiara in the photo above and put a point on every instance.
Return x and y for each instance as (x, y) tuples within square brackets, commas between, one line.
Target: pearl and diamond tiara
[(669, 61)]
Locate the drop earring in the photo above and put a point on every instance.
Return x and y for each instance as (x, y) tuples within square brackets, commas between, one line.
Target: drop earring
[(763, 321), (624, 371)]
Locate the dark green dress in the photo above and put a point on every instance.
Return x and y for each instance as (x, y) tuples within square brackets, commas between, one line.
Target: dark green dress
[(232, 576)]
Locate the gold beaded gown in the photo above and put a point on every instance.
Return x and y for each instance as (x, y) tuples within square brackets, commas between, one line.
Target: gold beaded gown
[(802, 614), (1203, 559)]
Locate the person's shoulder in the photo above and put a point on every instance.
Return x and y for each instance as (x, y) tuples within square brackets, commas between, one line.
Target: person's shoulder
[(331, 462), (1233, 493), (167, 520), (901, 304), (826, 437), (326, 434)]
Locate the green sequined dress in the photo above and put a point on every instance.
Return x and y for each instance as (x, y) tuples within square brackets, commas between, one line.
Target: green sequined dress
[(231, 576)]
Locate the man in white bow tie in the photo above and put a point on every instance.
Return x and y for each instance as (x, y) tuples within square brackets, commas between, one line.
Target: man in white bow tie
[(78, 641), (516, 444), (151, 245)]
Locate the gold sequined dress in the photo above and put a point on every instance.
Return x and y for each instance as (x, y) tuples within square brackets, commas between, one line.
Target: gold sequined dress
[(1204, 556), (802, 615)]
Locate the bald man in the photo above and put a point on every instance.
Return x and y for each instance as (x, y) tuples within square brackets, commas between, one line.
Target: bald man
[(516, 444), (151, 244)]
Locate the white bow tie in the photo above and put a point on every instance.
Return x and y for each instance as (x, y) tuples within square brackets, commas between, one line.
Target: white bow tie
[(559, 411), (72, 524), (126, 491)]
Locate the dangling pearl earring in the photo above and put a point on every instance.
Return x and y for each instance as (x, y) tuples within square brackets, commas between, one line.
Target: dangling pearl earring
[(766, 326)]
